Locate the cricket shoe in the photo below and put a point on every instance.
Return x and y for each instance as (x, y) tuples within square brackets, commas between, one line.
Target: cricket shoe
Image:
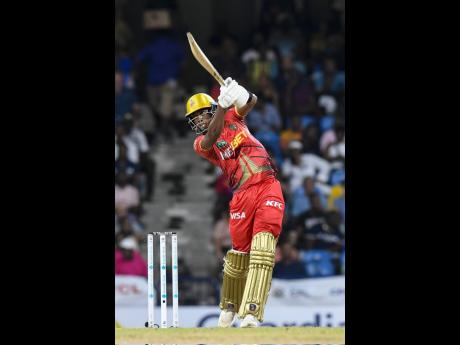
[(249, 321), (226, 318)]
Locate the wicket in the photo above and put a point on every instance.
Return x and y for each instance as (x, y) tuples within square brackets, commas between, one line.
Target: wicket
[(163, 287)]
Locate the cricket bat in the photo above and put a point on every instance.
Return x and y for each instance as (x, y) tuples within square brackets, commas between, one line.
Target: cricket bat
[(203, 60)]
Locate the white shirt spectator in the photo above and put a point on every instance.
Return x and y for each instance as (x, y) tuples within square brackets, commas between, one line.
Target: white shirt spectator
[(337, 150), (132, 150), (295, 173), (328, 102), (316, 166), (336, 153), (138, 137), (254, 54), (310, 166)]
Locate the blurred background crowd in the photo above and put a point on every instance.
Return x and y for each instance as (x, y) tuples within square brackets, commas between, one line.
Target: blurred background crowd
[(292, 56)]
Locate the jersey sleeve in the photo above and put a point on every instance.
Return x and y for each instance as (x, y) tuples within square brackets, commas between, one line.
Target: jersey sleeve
[(210, 155), (232, 115)]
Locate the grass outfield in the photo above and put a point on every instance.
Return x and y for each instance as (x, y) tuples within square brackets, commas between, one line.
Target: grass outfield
[(233, 335)]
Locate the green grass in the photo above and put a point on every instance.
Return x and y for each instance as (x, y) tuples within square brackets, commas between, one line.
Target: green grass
[(261, 335)]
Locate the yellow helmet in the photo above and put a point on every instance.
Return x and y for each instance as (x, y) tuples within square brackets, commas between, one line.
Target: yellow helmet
[(199, 101)]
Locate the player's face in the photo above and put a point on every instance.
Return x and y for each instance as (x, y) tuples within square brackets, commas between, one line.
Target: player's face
[(199, 121)]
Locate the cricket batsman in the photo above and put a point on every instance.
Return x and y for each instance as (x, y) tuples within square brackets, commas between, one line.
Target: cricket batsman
[(257, 206)]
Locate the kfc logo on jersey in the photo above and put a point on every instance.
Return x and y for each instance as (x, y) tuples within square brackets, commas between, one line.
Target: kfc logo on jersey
[(237, 215), (274, 204)]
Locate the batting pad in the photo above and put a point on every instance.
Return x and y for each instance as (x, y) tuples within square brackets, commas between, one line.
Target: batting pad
[(261, 262), (235, 273)]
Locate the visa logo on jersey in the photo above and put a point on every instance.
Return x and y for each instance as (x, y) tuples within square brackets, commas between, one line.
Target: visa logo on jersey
[(237, 215)]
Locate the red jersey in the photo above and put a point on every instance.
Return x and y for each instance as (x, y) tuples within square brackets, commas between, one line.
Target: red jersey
[(242, 158)]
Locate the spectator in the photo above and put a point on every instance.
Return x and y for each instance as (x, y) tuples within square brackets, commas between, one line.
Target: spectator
[(264, 121), (146, 163), (164, 56), (132, 150), (123, 164), (336, 200), (285, 83), (308, 220), (284, 38), (329, 79), (302, 195), (302, 95), (292, 168), (326, 235), (268, 91), (310, 139), (128, 260), (328, 102), (335, 152), (327, 138), (144, 120), (121, 230), (290, 267), (260, 61), (264, 117), (125, 64), (128, 230), (298, 166), (293, 133), (124, 97), (324, 120), (126, 196), (228, 60)]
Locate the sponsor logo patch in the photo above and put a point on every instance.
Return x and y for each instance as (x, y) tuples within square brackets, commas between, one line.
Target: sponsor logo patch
[(274, 204), (221, 144), (238, 215)]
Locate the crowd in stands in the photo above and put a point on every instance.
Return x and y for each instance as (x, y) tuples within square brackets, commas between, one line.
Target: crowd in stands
[(297, 71)]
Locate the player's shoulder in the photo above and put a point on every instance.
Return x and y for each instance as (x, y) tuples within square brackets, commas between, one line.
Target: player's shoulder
[(197, 140), (197, 143)]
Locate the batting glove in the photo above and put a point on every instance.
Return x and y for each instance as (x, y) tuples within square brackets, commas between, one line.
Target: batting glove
[(228, 93), (242, 96)]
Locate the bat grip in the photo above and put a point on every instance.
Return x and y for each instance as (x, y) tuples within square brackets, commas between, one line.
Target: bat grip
[(219, 79)]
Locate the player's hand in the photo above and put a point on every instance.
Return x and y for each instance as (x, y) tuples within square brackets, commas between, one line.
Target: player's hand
[(228, 93), (242, 96)]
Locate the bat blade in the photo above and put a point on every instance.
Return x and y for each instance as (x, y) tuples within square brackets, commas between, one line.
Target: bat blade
[(203, 60)]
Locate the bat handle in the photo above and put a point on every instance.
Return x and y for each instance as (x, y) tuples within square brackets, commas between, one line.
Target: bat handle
[(219, 79)]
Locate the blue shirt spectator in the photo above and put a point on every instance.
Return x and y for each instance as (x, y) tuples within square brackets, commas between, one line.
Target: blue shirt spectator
[(124, 98), (163, 56), (301, 197), (329, 79), (290, 266), (264, 117)]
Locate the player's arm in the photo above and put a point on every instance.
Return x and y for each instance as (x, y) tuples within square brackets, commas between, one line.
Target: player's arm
[(214, 129), (226, 99), (244, 101), (246, 108)]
